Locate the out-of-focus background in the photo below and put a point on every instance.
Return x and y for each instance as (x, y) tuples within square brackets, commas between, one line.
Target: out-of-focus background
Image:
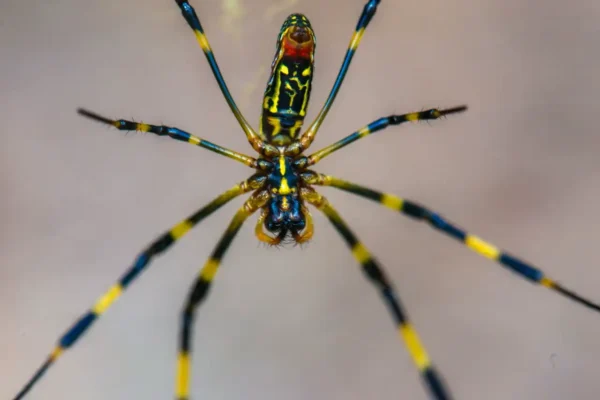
[(520, 169)]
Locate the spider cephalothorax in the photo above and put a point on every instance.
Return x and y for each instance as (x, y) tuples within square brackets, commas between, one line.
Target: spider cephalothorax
[(283, 187), (285, 212)]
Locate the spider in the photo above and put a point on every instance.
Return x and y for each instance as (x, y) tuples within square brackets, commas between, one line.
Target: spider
[(283, 187)]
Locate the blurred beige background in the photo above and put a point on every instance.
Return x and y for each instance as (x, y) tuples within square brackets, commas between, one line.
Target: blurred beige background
[(520, 169)]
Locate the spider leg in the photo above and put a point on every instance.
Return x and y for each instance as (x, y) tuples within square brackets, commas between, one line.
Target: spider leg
[(364, 19), (381, 124), (257, 140), (175, 133), (200, 289), (433, 381), (473, 242), (141, 262)]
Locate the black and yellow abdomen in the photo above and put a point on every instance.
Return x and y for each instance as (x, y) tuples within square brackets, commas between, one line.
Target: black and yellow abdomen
[(288, 90)]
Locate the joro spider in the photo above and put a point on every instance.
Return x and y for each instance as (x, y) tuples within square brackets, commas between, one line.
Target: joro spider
[(283, 186)]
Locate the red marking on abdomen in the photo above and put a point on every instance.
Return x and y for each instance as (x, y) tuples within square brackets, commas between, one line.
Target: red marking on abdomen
[(292, 49)]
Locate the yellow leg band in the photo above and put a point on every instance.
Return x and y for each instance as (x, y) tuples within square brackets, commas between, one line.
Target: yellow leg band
[(361, 253), (549, 283), (412, 117), (364, 132), (415, 348), (105, 301), (356, 38), (194, 140), (57, 352), (202, 41), (180, 229), (391, 201), (183, 376), (210, 270), (482, 247), (143, 127)]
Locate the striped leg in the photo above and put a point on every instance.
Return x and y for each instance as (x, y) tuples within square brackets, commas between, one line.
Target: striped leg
[(373, 271), (381, 124), (157, 247), (364, 19), (175, 133), (257, 140), (200, 289), (473, 242)]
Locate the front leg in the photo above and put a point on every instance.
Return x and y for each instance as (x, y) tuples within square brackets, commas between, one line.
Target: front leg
[(436, 221), (373, 271), (200, 290)]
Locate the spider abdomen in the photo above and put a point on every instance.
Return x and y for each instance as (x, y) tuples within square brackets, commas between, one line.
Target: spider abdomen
[(288, 89)]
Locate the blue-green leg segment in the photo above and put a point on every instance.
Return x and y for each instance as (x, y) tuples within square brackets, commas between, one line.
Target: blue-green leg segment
[(159, 246), (436, 221), (373, 271)]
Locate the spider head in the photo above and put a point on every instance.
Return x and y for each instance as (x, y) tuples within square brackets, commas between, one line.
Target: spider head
[(284, 213)]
